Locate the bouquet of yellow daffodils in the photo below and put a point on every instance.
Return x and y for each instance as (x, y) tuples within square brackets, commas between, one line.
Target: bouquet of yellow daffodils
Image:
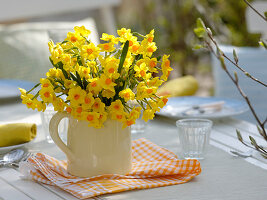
[(94, 83)]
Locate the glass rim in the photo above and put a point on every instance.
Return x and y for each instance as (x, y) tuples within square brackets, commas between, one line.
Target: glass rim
[(185, 121)]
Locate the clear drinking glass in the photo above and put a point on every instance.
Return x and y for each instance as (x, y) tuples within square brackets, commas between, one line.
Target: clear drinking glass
[(62, 128), (194, 137), (139, 126)]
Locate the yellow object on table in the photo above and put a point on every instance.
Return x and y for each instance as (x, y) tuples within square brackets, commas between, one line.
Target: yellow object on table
[(184, 86), (18, 133)]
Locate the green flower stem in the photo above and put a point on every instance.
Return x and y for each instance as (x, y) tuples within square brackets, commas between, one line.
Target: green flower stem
[(148, 103), (33, 88), (36, 95), (157, 96), (140, 103), (138, 34)]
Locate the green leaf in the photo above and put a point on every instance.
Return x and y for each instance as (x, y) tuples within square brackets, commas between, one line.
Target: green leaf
[(200, 32), (123, 55), (235, 56), (60, 66), (73, 77), (51, 61), (65, 41), (85, 83), (200, 23), (79, 60), (159, 58), (79, 79), (138, 57), (198, 46)]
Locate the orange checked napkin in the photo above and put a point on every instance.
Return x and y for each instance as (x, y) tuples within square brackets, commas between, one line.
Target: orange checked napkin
[(152, 166)]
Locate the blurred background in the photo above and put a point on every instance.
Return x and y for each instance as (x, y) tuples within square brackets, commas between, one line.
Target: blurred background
[(27, 25)]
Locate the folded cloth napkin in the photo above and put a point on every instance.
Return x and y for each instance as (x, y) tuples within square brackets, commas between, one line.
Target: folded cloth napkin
[(18, 133), (152, 166), (184, 86)]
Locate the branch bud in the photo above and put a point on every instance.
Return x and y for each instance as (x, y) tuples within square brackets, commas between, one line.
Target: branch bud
[(239, 136), (235, 56), (222, 63), (209, 32), (236, 77)]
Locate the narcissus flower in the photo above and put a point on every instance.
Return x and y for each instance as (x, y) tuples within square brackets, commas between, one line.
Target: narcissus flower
[(90, 51), (127, 94), (99, 82), (76, 96)]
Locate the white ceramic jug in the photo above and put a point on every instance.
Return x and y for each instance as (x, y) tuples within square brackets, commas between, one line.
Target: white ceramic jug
[(92, 151)]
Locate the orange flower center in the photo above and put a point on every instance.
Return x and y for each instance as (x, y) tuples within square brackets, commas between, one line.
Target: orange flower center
[(47, 94), (106, 46), (89, 51), (90, 118), (108, 81), (96, 105), (135, 48), (87, 100), (150, 39), (167, 63), (93, 84), (150, 49), (149, 91), (117, 107), (119, 116), (45, 85), (152, 64), (165, 101), (73, 39), (142, 73), (76, 96), (79, 110), (69, 109), (127, 95), (111, 70), (130, 43), (29, 104), (129, 123)]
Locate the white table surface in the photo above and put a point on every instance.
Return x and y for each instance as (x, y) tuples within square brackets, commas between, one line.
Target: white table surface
[(223, 175)]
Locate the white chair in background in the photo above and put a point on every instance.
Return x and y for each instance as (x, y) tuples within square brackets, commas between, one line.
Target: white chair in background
[(24, 53), (254, 61)]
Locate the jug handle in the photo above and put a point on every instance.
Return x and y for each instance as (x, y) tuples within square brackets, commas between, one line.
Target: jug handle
[(53, 129)]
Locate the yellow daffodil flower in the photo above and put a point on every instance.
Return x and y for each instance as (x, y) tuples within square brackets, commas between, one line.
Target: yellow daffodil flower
[(107, 47), (88, 101), (90, 51), (97, 84), (127, 94), (76, 96), (106, 82), (98, 105), (82, 31), (166, 69)]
